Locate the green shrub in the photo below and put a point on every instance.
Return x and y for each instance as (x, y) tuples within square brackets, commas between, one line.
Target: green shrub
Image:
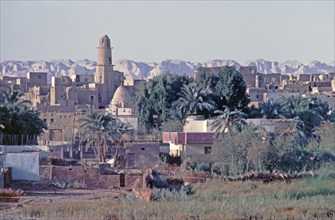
[(174, 194), (204, 167)]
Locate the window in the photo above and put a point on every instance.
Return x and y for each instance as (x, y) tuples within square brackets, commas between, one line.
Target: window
[(39, 77), (257, 96), (207, 150), (142, 148), (52, 120)]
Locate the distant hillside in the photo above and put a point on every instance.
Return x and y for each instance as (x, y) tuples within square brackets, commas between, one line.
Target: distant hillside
[(139, 70)]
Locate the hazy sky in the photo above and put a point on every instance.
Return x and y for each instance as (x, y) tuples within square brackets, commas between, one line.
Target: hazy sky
[(152, 31)]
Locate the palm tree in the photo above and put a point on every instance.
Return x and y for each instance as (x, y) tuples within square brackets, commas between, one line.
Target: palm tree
[(119, 130), (228, 122), (34, 126), (292, 105), (21, 125), (271, 109), (315, 104), (97, 131), (193, 98), (310, 110), (13, 98)]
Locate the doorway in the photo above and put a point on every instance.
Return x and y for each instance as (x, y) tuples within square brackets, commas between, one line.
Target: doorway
[(122, 180)]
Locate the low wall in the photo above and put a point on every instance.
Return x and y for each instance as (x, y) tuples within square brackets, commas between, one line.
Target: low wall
[(25, 166), (90, 175)]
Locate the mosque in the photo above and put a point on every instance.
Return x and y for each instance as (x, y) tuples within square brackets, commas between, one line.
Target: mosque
[(67, 98)]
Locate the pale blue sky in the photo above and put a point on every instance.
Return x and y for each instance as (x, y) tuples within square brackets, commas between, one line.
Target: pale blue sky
[(152, 31)]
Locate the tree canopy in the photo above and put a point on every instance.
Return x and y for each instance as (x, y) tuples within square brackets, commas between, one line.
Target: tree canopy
[(193, 98), (100, 131), (20, 124), (226, 85), (154, 99)]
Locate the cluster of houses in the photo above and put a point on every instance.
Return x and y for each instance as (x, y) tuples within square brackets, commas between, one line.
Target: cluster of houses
[(66, 99)]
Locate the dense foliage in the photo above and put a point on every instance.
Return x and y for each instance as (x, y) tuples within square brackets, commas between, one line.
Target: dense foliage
[(20, 124), (154, 100), (100, 131), (171, 97), (305, 145), (254, 149), (192, 99), (226, 86), (309, 109)]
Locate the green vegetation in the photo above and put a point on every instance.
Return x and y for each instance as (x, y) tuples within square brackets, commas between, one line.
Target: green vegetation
[(99, 130), (271, 109), (193, 98), (310, 198), (154, 100), (170, 97), (225, 85), (228, 121), (310, 110), (253, 149), (323, 141), (220, 93), (20, 124)]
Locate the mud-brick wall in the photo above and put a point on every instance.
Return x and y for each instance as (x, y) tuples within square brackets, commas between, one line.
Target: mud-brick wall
[(45, 171), (90, 176), (134, 180)]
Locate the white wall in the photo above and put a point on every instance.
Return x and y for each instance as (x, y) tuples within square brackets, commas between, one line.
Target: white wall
[(25, 166)]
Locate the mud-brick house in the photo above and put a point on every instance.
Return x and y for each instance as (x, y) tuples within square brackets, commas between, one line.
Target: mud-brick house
[(196, 145), (141, 155), (194, 142), (197, 139), (276, 126)]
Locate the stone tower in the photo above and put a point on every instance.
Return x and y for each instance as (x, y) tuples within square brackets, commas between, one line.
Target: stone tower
[(106, 79), (104, 69)]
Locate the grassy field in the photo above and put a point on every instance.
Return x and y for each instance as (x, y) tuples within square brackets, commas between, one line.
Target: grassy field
[(309, 198)]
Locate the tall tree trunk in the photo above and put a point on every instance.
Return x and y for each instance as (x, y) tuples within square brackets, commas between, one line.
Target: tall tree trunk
[(116, 154), (102, 154)]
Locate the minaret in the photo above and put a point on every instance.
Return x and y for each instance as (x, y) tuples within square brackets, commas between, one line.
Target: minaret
[(104, 69)]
